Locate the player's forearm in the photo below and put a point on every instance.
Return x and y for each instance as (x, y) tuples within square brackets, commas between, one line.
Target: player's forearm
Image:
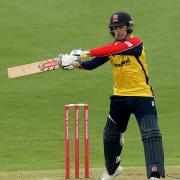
[(94, 63)]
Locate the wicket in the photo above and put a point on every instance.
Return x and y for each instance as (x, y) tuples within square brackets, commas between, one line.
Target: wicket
[(76, 140)]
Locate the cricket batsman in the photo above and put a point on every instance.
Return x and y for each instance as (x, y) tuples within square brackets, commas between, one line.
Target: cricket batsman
[(132, 95)]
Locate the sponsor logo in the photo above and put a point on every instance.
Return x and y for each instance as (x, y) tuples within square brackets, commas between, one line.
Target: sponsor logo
[(47, 65), (128, 43), (154, 168), (117, 159), (153, 103), (115, 18), (123, 63)]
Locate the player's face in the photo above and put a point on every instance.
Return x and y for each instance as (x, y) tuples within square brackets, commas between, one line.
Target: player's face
[(120, 32)]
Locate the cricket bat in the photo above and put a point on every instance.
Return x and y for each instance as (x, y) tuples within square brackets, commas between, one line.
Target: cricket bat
[(33, 68)]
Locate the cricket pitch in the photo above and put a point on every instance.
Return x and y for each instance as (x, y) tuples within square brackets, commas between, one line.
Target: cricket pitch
[(129, 173)]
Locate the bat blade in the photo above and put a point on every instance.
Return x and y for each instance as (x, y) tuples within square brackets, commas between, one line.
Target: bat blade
[(33, 68)]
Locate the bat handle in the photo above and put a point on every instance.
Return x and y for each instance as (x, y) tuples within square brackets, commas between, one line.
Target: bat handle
[(85, 56)]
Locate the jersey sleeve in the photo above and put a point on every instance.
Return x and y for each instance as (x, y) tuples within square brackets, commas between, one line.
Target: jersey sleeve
[(132, 46), (94, 63)]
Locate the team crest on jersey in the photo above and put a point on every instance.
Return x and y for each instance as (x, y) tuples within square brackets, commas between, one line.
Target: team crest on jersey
[(115, 18)]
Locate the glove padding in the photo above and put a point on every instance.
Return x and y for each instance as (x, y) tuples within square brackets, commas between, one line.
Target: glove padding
[(80, 53), (68, 62)]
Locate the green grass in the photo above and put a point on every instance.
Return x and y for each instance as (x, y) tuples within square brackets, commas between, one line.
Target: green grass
[(136, 173), (31, 109)]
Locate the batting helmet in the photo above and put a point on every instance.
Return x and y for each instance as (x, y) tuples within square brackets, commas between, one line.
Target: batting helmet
[(121, 18)]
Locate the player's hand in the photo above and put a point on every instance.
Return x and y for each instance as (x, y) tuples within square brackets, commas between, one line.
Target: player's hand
[(80, 53), (65, 62), (68, 62)]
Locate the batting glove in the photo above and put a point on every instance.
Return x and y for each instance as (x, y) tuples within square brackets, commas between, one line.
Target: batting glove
[(80, 53), (68, 62)]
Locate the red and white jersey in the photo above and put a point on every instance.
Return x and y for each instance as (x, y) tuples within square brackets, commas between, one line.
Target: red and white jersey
[(129, 66)]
